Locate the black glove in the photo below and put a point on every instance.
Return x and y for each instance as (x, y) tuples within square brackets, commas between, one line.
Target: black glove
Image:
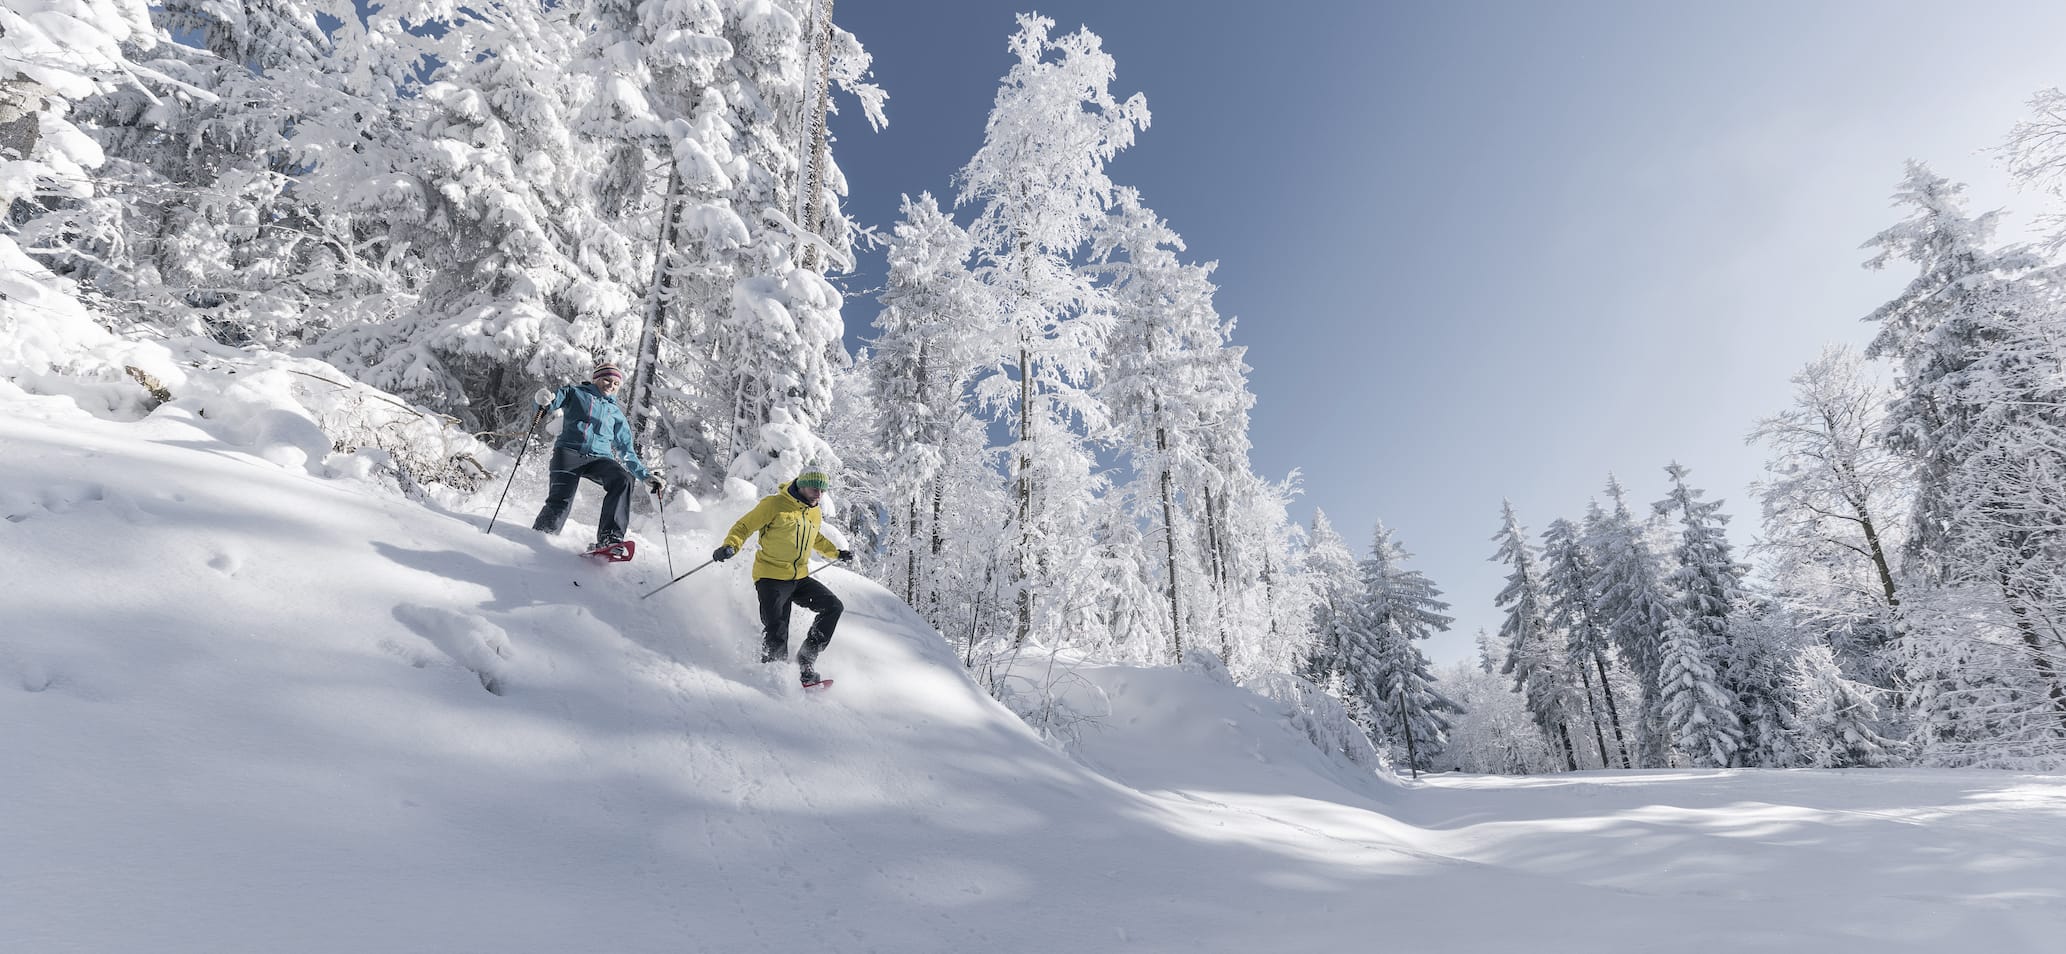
[(846, 556), (724, 553), (653, 484)]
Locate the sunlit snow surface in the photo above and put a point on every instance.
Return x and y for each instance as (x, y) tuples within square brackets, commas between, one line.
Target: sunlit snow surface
[(247, 708)]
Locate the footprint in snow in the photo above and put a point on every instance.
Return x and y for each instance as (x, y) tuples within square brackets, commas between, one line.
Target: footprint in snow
[(469, 641)]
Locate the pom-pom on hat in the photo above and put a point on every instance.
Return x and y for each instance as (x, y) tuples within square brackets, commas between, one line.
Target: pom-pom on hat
[(813, 480), (606, 370)]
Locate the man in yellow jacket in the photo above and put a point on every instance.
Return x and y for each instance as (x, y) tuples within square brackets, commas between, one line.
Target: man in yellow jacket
[(787, 522)]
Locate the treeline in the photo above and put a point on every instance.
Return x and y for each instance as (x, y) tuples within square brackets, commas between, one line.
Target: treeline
[(1913, 546)]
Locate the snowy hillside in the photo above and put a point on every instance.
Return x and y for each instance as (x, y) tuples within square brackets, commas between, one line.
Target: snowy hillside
[(251, 702)]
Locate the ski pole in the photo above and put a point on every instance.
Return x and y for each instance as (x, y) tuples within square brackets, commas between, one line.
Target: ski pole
[(705, 563), (677, 579), (513, 469), (661, 502)]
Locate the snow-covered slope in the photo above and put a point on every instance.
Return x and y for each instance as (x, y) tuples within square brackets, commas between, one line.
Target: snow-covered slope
[(247, 707)]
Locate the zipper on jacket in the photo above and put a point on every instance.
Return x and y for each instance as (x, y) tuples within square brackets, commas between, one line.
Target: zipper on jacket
[(803, 528)]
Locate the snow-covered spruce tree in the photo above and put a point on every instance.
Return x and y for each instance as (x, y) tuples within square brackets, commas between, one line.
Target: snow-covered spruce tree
[(1835, 722), (1171, 385), (1039, 185), (704, 109), (1395, 608), (1835, 513), (527, 281), (1265, 603), (1536, 659), (781, 340), (1332, 581), (1708, 695), (927, 344), (1973, 700), (1637, 610), (1568, 574), (51, 56), (194, 230), (1979, 409)]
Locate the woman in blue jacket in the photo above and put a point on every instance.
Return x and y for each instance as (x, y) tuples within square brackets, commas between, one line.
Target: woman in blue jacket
[(595, 442)]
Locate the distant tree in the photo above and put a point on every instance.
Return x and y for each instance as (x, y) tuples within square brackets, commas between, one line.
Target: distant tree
[(1637, 611), (1536, 657), (1395, 609), (1568, 574), (1703, 680)]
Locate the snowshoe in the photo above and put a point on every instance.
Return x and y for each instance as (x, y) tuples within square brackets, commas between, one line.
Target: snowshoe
[(616, 551)]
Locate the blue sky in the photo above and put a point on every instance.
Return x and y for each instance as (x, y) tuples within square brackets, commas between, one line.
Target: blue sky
[(1483, 251)]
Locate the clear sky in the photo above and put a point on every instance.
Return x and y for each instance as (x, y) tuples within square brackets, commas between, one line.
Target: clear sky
[(1483, 251)]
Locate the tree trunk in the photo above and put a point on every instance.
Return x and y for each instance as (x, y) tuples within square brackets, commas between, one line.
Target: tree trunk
[(1592, 708), (1406, 728), (1025, 595), (643, 403), (932, 595), (1176, 620), (1879, 556), (2040, 659), (1570, 753), (1219, 572), (911, 555), (813, 209), (1613, 713), (1270, 594)]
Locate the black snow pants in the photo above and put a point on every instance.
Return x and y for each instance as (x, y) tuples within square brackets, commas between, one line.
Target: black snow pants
[(568, 467), (776, 596)]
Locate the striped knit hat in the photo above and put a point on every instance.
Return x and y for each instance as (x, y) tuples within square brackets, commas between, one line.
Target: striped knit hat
[(813, 480), (606, 370)]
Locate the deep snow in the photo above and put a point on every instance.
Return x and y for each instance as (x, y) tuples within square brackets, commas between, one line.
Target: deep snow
[(245, 706)]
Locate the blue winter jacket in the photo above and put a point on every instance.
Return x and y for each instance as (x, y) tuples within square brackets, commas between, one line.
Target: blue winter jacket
[(595, 426)]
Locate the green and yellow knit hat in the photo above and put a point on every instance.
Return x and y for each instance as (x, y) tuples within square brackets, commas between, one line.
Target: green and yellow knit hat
[(813, 480)]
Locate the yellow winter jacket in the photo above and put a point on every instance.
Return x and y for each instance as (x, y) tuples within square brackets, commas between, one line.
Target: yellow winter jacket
[(788, 530)]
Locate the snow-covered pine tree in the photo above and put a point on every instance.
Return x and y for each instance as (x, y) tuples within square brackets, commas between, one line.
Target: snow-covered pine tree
[(526, 282), (1394, 609), (1637, 609), (52, 56), (927, 344), (195, 231), (701, 108), (1333, 580), (1568, 573), (781, 338), (1980, 409), (1265, 601), (1708, 694), (1835, 722), (1536, 659), (1171, 385), (1039, 185), (1935, 330)]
